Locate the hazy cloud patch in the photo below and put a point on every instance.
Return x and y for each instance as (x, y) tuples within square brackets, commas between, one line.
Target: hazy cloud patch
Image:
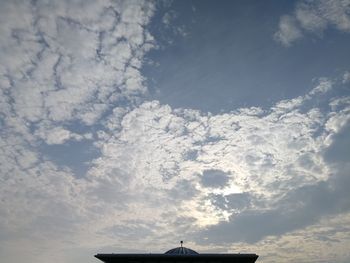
[(288, 30), (313, 17)]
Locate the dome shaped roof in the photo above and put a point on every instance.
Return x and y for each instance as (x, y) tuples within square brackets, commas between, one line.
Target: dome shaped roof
[(181, 251)]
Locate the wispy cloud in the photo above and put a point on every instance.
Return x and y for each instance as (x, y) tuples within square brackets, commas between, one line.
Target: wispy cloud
[(313, 17), (288, 30)]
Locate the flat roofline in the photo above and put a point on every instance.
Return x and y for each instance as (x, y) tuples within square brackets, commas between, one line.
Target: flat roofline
[(178, 255), (166, 257)]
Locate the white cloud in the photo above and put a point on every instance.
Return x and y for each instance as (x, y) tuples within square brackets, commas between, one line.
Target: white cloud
[(153, 144), (313, 17), (288, 30), (64, 65), (57, 135), (285, 105), (71, 61), (324, 86), (337, 121), (346, 77), (309, 17)]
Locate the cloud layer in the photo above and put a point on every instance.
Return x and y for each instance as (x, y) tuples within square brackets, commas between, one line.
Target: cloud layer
[(71, 75)]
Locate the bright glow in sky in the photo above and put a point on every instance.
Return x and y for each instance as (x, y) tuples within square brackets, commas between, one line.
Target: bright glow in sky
[(126, 126)]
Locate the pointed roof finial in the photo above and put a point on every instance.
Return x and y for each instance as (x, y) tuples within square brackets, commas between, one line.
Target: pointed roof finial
[(181, 242)]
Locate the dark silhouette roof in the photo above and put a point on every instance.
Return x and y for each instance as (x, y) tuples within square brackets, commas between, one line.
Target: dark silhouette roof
[(177, 258), (178, 255), (181, 251)]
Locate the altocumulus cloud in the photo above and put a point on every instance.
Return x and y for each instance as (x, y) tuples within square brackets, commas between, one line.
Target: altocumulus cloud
[(71, 71), (64, 66)]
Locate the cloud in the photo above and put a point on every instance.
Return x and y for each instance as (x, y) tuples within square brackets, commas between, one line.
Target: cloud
[(235, 201), (160, 166), (168, 17), (288, 30), (71, 81), (338, 151), (266, 153), (323, 86), (298, 208), (313, 17), (64, 66), (74, 65), (346, 77), (58, 135)]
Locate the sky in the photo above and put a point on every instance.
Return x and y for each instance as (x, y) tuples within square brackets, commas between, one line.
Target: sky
[(127, 126)]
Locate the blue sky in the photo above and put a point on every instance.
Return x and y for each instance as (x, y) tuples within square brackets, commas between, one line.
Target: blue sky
[(126, 126)]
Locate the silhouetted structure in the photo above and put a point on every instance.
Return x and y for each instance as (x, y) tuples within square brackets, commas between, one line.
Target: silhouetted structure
[(178, 255)]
